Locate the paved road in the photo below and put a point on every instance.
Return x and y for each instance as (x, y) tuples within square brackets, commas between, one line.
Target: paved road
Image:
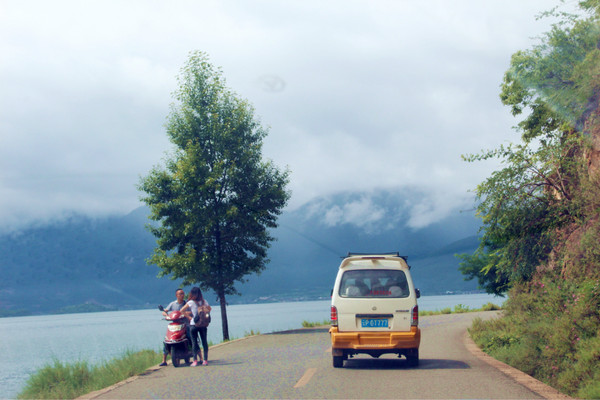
[(297, 364)]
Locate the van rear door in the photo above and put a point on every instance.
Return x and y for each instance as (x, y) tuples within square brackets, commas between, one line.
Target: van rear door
[(374, 296)]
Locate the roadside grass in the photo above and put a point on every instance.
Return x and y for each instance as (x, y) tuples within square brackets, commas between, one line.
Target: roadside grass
[(68, 381), (459, 308), (551, 332), (308, 324)]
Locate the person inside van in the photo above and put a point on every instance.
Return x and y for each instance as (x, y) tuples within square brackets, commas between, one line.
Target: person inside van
[(362, 286), (377, 287), (397, 286)]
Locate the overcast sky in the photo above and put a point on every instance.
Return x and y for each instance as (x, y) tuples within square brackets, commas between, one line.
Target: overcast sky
[(358, 95)]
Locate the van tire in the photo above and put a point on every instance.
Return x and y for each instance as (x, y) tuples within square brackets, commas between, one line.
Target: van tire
[(413, 358), (338, 361)]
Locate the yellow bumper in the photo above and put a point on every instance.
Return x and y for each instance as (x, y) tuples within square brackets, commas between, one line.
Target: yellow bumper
[(375, 340)]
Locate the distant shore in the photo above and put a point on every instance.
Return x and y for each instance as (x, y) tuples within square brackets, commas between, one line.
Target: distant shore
[(89, 307)]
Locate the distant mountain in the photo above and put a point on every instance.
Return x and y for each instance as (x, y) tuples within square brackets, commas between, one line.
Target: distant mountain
[(312, 240), (87, 263), (80, 260)]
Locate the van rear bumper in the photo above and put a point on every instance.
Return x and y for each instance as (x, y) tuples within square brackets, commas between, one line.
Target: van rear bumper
[(386, 342)]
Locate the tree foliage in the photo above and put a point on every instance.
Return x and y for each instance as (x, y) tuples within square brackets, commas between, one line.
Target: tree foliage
[(556, 81), (554, 87), (215, 198)]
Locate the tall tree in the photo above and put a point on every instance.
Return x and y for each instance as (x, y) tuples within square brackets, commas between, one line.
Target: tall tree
[(215, 199), (524, 205)]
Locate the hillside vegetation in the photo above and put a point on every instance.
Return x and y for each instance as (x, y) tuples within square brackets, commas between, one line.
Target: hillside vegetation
[(541, 212)]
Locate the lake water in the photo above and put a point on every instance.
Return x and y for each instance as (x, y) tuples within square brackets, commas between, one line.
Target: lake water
[(29, 343)]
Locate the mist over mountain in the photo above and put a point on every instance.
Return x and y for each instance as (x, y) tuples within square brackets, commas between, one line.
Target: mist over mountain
[(100, 262), (313, 238)]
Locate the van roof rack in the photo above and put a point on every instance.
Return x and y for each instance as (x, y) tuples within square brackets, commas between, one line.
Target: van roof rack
[(392, 254)]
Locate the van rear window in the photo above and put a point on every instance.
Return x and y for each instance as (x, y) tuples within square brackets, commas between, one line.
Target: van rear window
[(374, 283)]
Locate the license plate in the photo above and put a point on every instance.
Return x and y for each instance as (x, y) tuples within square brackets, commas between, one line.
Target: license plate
[(373, 323)]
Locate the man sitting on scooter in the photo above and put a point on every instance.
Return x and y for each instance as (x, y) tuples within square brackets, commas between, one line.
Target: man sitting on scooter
[(173, 306)]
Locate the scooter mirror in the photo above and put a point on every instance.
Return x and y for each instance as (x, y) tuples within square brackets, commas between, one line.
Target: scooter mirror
[(161, 308)]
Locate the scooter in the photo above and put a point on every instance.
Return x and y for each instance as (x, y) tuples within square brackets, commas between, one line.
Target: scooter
[(176, 339)]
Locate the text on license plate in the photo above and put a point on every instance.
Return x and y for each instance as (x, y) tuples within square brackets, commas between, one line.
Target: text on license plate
[(374, 323)]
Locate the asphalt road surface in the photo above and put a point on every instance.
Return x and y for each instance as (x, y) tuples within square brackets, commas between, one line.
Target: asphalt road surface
[(298, 364)]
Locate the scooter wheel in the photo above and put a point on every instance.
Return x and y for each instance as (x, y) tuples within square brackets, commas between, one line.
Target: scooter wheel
[(175, 357)]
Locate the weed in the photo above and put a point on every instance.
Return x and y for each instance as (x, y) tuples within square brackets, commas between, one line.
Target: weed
[(460, 308), (68, 381), (490, 307), (307, 324), (496, 342), (550, 331)]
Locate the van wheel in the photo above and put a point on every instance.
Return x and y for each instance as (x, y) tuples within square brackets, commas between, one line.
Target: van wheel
[(338, 361), (413, 358)]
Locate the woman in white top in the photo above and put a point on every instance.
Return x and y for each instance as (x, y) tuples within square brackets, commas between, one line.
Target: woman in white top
[(196, 304)]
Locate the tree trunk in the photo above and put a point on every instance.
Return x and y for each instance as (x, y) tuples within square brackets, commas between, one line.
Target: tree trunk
[(221, 290), (224, 323)]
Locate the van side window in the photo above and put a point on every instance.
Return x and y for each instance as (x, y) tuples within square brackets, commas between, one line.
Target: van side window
[(374, 283)]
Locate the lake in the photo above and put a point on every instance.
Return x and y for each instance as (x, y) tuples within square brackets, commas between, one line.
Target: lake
[(29, 343)]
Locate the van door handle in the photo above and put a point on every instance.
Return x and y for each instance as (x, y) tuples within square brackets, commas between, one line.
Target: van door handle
[(374, 315)]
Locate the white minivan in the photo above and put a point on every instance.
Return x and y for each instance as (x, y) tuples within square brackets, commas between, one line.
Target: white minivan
[(374, 308)]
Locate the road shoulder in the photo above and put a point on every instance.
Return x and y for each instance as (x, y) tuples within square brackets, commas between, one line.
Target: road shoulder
[(100, 392), (528, 381)]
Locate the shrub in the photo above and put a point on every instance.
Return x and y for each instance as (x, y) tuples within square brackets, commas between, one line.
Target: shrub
[(584, 370), (550, 331), (490, 307), (460, 308)]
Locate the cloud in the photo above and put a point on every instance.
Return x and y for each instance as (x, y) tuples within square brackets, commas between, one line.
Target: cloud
[(361, 213), (385, 210), (369, 95)]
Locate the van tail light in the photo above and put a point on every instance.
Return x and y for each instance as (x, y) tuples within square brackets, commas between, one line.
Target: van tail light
[(334, 320), (415, 316)]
